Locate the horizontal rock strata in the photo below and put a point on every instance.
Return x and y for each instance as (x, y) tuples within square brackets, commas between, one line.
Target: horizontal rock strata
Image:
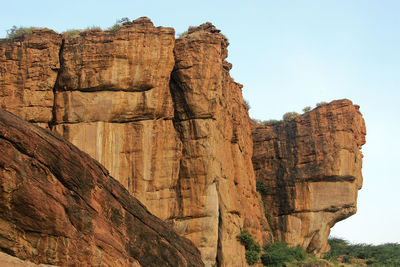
[(311, 167)]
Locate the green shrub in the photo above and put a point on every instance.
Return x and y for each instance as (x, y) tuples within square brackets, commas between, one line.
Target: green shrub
[(93, 28), (118, 24), (247, 104), (19, 31), (253, 249), (261, 187), (186, 32), (246, 239), (270, 122), (114, 28), (278, 253), (252, 257), (72, 32), (288, 116), (381, 255), (306, 109), (321, 103)]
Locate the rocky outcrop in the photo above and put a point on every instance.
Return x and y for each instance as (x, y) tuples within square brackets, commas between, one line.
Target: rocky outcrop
[(112, 100), (216, 182), (28, 70), (168, 122), (311, 167), (59, 206)]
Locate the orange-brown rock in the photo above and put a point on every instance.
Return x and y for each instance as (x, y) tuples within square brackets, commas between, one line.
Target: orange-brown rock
[(59, 206), (10, 261), (113, 101), (312, 169), (216, 183), (170, 124), (28, 70)]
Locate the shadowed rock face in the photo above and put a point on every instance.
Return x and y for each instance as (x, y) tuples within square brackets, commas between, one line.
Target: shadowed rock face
[(312, 169), (169, 123), (59, 206)]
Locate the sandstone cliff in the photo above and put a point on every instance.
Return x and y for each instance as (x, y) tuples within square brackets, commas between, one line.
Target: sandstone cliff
[(168, 122), (311, 167), (58, 206), (162, 115)]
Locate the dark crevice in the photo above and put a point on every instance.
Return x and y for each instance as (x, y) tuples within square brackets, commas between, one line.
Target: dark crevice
[(219, 258), (329, 209), (61, 61)]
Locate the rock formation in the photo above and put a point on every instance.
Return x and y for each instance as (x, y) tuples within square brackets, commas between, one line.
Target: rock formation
[(216, 186), (166, 119), (28, 71), (59, 206), (311, 167)]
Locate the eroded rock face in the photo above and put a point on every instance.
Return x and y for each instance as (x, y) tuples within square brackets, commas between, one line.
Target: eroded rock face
[(113, 101), (28, 70), (312, 169), (169, 123), (59, 206), (216, 182)]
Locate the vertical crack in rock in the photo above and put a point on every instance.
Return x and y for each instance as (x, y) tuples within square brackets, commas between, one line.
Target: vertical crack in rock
[(53, 120)]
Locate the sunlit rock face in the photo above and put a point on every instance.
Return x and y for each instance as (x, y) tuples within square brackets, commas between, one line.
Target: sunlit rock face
[(312, 169), (29, 66), (112, 100), (216, 178), (168, 122)]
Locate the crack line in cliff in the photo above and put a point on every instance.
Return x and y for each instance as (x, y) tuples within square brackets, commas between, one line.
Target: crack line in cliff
[(53, 120), (117, 122), (330, 209)]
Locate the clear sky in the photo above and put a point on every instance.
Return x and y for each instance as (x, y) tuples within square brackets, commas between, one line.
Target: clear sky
[(288, 54)]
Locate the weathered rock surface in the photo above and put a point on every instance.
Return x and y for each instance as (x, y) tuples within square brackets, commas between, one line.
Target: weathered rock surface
[(312, 169), (216, 182), (10, 261), (28, 70), (59, 206), (113, 101), (169, 123)]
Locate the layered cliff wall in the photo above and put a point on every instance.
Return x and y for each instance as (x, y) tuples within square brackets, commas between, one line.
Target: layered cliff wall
[(311, 167), (59, 206), (166, 119), (162, 115)]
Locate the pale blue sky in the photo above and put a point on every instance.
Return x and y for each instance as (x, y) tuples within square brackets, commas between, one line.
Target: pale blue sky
[(288, 55)]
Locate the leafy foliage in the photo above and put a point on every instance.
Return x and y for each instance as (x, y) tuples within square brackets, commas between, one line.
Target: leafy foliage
[(247, 104), (118, 24), (253, 249), (252, 257), (278, 253), (19, 31), (261, 187), (93, 28), (270, 122), (288, 116), (72, 32), (381, 255), (321, 103), (306, 109)]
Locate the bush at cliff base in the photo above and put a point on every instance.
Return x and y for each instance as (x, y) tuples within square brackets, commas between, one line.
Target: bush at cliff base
[(279, 253)]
